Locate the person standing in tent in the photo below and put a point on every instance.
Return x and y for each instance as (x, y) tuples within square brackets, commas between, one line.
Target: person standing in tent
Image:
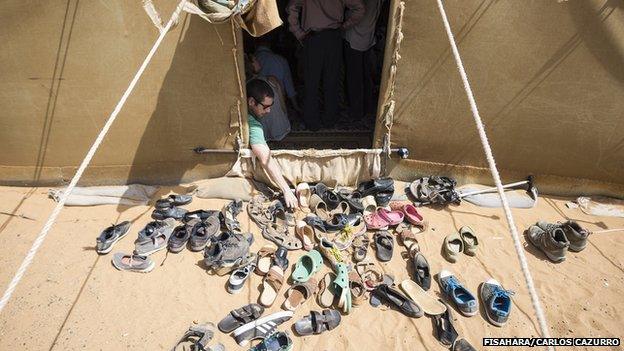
[(259, 101), (318, 25), (360, 62)]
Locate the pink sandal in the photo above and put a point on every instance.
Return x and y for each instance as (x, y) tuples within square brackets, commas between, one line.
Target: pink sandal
[(383, 218), (412, 215)]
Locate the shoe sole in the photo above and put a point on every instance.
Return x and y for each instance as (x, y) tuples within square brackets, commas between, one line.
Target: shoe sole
[(113, 244), (495, 323), (145, 270), (551, 258)]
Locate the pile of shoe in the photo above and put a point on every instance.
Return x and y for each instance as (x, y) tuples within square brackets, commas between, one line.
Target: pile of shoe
[(168, 207), (555, 239), (274, 221)]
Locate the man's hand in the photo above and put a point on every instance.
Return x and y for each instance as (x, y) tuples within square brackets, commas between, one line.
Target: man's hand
[(290, 199)]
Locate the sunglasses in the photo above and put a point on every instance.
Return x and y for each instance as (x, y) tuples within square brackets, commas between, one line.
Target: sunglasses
[(263, 105)]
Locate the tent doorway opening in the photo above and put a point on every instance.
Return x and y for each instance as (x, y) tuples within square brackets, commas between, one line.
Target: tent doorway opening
[(301, 119)]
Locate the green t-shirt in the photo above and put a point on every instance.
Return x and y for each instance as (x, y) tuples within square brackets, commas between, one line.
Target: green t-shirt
[(256, 133)]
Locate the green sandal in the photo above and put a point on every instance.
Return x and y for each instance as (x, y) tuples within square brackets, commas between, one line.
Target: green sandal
[(341, 287), (306, 266)]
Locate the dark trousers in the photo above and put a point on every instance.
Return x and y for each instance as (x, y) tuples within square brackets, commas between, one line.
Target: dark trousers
[(322, 59), (359, 70)]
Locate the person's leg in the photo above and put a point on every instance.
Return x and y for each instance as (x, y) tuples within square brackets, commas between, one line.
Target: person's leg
[(354, 71), (313, 59), (332, 65), (368, 71)]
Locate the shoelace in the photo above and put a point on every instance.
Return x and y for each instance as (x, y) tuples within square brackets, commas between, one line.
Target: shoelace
[(346, 233), (500, 292), (451, 284)]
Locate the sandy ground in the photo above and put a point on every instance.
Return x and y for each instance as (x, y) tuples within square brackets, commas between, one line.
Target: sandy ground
[(73, 299)]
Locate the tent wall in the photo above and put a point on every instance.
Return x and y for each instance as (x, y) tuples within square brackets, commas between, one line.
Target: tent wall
[(65, 64), (548, 78)]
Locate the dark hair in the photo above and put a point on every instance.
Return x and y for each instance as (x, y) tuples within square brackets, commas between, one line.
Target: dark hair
[(259, 89)]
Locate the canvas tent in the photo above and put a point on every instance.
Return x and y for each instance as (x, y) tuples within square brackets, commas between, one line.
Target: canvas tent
[(550, 97)]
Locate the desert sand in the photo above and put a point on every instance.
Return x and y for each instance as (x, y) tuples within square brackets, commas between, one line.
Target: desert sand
[(73, 299)]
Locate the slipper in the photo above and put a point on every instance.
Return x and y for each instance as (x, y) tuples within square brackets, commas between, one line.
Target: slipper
[(303, 193), (271, 285), (259, 211), (369, 204), (375, 222), (281, 216), (422, 274), (318, 322), (358, 290), (341, 287), (407, 237), (319, 207), (330, 252), (392, 217), (305, 233), (306, 266), (396, 299), (429, 304), (360, 247), (264, 259), (280, 236), (469, 238), (132, 263), (343, 208), (199, 335), (443, 327), (174, 200), (345, 238), (462, 345), (300, 293), (384, 244), (411, 214), (452, 246), (397, 205), (370, 274), (240, 316), (326, 290)]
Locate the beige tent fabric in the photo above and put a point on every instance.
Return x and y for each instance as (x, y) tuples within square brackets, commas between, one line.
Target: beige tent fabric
[(257, 17), (332, 167)]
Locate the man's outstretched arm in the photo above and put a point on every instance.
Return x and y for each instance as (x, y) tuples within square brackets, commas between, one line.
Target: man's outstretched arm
[(263, 153)]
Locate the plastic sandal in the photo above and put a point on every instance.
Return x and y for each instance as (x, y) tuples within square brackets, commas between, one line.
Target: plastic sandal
[(384, 244), (392, 217), (318, 322), (358, 290), (264, 259), (443, 327), (319, 207), (360, 247), (370, 274), (370, 206), (200, 335), (239, 317), (407, 237), (326, 295), (375, 222), (306, 266), (341, 286), (271, 285), (303, 193)]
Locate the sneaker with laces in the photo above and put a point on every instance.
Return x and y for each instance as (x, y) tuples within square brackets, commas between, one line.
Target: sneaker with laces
[(549, 238), (464, 300), (576, 235), (497, 302)]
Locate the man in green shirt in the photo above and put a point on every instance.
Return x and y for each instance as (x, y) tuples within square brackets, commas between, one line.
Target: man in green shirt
[(259, 102)]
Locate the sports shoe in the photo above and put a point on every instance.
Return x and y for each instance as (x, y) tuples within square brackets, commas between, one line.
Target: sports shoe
[(576, 235), (464, 300), (179, 238), (260, 328), (228, 251), (279, 341), (111, 235), (550, 239), (497, 302), (174, 200), (176, 213), (238, 278)]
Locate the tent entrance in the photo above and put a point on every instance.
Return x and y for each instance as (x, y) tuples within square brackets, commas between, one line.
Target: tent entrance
[(353, 128)]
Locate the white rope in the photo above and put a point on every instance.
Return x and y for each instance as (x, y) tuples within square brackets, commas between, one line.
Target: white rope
[(490, 158), (85, 162)]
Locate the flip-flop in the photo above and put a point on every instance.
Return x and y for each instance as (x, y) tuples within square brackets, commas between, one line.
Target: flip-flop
[(360, 247), (327, 294), (306, 266), (358, 290), (271, 286), (429, 304), (264, 259), (384, 244), (299, 293), (318, 322)]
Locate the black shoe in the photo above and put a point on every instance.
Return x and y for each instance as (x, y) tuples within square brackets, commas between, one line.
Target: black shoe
[(110, 235), (395, 298), (174, 200), (178, 238), (176, 213), (381, 188)]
